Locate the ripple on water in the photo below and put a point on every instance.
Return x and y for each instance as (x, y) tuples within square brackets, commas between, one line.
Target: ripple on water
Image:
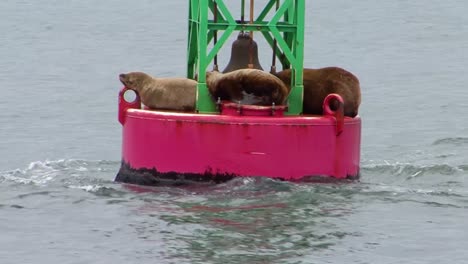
[(455, 141)]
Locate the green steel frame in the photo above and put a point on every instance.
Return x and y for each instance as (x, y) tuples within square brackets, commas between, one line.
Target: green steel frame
[(287, 35)]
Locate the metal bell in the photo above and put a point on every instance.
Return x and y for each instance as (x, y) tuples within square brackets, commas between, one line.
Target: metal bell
[(240, 54)]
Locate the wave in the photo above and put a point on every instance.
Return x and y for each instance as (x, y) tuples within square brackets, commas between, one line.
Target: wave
[(434, 180), (42, 172), (98, 177), (451, 141), (435, 185), (70, 173), (411, 170)]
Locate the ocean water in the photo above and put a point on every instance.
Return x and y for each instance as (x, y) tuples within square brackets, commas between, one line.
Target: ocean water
[(60, 142)]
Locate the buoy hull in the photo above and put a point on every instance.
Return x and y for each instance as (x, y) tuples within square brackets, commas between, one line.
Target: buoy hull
[(160, 147)]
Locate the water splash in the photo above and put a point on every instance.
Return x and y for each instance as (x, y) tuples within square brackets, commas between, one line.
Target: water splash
[(96, 177), (411, 170), (432, 184), (70, 173)]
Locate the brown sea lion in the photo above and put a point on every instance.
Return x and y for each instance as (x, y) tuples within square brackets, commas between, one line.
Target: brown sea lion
[(162, 93), (318, 83), (249, 86)]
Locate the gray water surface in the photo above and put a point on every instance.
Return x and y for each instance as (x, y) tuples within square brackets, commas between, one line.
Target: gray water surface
[(61, 142)]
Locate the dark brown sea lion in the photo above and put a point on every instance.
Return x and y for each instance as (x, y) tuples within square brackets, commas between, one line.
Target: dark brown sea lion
[(249, 86), (162, 93), (318, 83)]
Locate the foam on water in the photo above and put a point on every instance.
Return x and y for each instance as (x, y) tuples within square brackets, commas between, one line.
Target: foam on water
[(63, 173), (92, 176)]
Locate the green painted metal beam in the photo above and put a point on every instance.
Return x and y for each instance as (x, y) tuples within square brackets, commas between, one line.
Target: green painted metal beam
[(257, 26), (265, 10), (286, 28), (204, 102)]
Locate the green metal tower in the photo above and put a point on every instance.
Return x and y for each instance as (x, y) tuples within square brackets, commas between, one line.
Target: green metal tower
[(284, 33)]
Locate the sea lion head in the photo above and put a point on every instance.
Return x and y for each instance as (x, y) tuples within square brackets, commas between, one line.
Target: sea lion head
[(134, 80), (213, 75), (212, 78)]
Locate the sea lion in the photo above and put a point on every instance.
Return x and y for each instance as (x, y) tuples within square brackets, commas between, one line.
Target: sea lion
[(177, 94), (318, 83), (249, 86)]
